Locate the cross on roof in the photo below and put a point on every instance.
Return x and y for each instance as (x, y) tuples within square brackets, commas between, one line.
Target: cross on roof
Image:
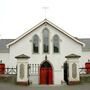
[(45, 8)]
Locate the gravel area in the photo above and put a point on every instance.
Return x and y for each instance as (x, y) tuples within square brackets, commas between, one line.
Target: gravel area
[(7, 86)]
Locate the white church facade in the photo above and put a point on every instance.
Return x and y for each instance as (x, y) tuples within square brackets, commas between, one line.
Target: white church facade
[(48, 47)]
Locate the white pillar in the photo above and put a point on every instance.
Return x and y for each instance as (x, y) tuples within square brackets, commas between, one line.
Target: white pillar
[(22, 69), (73, 68)]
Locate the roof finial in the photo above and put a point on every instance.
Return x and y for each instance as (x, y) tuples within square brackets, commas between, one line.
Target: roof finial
[(45, 11)]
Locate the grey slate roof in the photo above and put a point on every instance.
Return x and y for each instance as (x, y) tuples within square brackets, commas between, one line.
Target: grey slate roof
[(87, 43), (3, 43)]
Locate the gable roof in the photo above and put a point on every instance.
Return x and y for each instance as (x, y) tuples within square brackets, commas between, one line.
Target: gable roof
[(87, 44), (41, 23), (3, 43), (72, 56), (22, 56)]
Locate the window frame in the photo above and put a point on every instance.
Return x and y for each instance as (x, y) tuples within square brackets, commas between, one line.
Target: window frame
[(43, 41), (33, 44), (54, 44)]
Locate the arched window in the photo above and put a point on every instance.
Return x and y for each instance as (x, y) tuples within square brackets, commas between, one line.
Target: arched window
[(35, 44), (45, 40), (56, 44)]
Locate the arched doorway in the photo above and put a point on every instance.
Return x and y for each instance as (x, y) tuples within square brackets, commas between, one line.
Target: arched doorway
[(46, 73)]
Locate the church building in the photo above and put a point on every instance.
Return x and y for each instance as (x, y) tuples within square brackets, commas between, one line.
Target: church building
[(48, 48)]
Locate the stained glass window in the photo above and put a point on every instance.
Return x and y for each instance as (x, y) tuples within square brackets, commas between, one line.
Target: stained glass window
[(56, 44), (45, 40), (35, 44)]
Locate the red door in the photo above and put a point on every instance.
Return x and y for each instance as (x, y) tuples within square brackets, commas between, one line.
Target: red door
[(46, 76), (43, 74), (50, 76)]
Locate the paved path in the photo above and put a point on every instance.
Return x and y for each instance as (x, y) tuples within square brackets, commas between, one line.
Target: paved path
[(6, 86)]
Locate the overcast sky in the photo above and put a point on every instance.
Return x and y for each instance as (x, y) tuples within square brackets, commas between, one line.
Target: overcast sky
[(18, 16)]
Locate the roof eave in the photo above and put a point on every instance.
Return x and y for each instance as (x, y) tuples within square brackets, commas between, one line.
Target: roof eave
[(8, 45), (36, 26), (64, 32)]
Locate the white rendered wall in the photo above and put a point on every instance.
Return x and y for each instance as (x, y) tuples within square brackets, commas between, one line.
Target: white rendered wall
[(85, 57), (67, 46), (6, 59)]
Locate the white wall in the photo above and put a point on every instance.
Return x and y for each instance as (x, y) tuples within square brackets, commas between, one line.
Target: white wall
[(67, 46), (5, 59), (85, 57)]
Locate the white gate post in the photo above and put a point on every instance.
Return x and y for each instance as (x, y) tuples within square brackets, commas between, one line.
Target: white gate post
[(73, 68), (22, 69)]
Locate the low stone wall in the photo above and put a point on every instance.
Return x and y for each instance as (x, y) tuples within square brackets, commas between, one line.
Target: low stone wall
[(8, 78), (85, 78)]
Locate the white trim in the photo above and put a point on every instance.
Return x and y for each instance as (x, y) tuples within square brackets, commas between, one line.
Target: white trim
[(64, 32), (44, 21)]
